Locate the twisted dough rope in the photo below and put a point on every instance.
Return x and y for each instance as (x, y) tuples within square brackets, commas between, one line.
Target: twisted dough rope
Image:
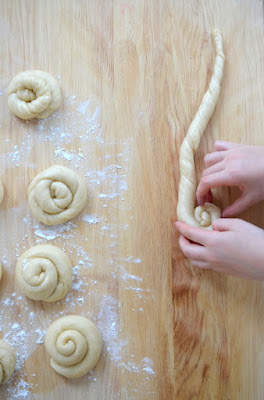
[(44, 272), (33, 94), (201, 216), (74, 345), (56, 195), (7, 361)]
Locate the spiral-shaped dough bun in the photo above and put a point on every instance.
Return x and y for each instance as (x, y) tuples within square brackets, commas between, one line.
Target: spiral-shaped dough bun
[(44, 272), (74, 345), (57, 195), (7, 361), (33, 94), (201, 216)]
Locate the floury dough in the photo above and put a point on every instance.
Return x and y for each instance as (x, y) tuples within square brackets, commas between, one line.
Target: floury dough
[(44, 272), (74, 345), (33, 94), (7, 361), (201, 216), (57, 195)]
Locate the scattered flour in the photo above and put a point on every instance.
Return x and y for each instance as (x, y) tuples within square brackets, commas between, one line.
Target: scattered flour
[(23, 322)]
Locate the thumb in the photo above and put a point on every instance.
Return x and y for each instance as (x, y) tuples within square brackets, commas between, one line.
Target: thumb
[(240, 205), (227, 224), (222, 145)]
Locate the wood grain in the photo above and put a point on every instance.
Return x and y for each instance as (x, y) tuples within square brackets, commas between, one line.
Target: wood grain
[(132, 74)]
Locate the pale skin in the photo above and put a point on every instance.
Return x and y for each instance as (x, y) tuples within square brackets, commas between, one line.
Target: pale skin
[(234, 246)]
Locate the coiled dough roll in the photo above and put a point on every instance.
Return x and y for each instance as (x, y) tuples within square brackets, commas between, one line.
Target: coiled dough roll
[(44, 272), (33, 94), (57, 195), (74, 345), (7, 361)]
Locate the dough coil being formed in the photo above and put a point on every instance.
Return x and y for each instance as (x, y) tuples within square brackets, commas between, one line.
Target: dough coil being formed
[(33, 94), (201, 216), (74, 345), (57, 195), (7, 361), (44, 272)]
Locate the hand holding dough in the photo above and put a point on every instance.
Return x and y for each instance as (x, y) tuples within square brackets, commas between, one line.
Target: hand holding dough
[(44, 272), (202, 216), (7, 361), (74, 345), (56, 195), (33, 94)]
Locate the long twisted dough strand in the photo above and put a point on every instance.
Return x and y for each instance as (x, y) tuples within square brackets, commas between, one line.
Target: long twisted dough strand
[(44, 272), (74, 345), (201, 216), (7, 361)]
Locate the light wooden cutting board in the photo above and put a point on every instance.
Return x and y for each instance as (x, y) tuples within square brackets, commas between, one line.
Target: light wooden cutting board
[(132, 75)]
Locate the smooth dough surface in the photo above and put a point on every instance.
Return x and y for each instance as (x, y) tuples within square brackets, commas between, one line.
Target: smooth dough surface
[(7, 361), (57, 195), (44, 272), (33, 94), (74, 345), (201, 216)]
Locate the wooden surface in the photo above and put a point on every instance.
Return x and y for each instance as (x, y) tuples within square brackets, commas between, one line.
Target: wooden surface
[(132, 74)]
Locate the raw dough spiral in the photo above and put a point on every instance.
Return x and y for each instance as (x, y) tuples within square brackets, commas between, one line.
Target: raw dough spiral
[(202, 216), (74, 345), (44, 272), (33, 94), (7, 361), (56, 195)]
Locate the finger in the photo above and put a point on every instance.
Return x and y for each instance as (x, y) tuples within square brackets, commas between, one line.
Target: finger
[(209, 197), (192, 250), (214, 168), (196, 235), (227, 224), (213, 158), (212, 181), (240, 205), (222, 145), (200, 264)]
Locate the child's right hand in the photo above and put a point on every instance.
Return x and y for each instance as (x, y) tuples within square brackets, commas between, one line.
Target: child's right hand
[(234, 165)]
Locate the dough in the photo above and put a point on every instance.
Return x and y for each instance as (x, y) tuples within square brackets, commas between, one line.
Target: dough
[(202, 216), (1, 271), (56, 195), (1, 191), (7, 361), (74, 345), (44, 272), (33, 94)]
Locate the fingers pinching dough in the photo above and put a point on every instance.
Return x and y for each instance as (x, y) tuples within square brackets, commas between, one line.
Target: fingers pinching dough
[(7, 361), (33, 94), (74, 345), (57, 195), (44, 272)]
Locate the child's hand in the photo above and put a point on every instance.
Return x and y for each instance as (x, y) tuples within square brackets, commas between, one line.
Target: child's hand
[(234, 247), (234, 165)]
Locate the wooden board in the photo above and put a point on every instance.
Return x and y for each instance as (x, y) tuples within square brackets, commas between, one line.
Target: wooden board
[(132, 74)]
